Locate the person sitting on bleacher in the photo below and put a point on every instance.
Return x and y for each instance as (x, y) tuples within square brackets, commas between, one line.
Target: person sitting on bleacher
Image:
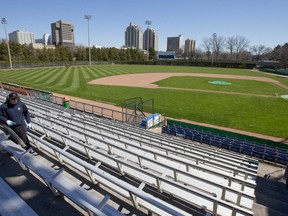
[(15, 115)]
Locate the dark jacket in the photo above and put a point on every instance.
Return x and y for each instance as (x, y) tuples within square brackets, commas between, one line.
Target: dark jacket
[(16, 113)]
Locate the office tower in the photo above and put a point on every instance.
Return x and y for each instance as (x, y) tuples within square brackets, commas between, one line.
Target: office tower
[(133, 36), (189, 47), (150, 39), (62, 33), (174, 43), (22, 37), (45, 40)]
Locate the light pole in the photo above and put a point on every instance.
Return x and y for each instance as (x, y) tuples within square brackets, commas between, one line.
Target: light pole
[(4, 22), (88, 17)]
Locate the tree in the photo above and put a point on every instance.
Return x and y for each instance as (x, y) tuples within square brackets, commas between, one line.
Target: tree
[(3, 51), (217, 44), (280, 53), (123, 55), (241, 43), (259, 51), (230, 44), (207, 45), (237, 45), (152, 54), (28, 53), (198, 54)]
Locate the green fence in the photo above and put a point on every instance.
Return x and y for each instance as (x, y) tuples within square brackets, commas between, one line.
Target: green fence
[(228, 134), (279, 71)]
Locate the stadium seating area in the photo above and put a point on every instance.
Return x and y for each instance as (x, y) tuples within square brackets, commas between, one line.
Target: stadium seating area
[(253, 149), (168, 175)]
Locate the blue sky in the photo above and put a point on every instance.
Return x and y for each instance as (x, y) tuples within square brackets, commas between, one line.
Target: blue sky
[(260, 21)]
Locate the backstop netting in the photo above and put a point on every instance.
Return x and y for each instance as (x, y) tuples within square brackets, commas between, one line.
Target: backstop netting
[(135, 109)]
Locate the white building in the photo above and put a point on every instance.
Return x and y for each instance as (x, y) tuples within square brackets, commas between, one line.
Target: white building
[(22, 37), (41, 46), (46, 39)]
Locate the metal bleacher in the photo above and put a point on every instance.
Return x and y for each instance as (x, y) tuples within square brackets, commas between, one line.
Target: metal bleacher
[(203, 177), (11, 203), (56, 180), (257, 150)]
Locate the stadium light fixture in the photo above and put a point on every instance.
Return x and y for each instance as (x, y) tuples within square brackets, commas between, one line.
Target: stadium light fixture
[(4, 22), (88, 17)]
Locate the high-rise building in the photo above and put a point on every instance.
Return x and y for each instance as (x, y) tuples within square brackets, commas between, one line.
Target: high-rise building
[(189, 47), (22, 37), (150, 39), (45, 40), (174, 44), (133, 36), (62, 33)]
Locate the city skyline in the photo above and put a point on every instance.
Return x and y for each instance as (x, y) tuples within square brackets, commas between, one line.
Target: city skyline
[(261, 22)]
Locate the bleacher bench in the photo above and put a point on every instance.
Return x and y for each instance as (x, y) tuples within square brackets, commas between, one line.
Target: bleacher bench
[(58, 182), (11, 203)]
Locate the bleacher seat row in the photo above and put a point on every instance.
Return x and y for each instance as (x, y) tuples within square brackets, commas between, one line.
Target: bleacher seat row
[(257, 150), (11, 203)]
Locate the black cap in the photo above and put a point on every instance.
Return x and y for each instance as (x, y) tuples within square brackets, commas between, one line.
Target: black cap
[(13, 95)]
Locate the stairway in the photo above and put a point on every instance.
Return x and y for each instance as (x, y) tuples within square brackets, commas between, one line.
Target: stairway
[(271, 195)]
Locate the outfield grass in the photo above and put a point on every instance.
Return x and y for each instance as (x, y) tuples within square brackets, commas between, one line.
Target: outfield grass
[(264, 115), (240, 86)]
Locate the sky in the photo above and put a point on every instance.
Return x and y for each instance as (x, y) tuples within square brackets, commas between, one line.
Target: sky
[(262, 22)]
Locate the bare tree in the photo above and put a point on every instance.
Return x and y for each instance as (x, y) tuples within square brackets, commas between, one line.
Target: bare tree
[(241, 43), (217, 44), (237, 45), (207, 45), (198, 54), (280, 53), (259, 51), (230, 44)]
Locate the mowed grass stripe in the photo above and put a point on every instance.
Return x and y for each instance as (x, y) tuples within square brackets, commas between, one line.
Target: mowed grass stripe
[(16, 74), (63, 82), (54, 78), (29, 74), (44, 76), (33, 74), (104, 71), (120, 70), (87, 73), (74, 80)]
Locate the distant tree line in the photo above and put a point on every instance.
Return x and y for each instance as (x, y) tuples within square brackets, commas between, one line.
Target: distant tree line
[(214, 48), (26, 53), (231, 48)]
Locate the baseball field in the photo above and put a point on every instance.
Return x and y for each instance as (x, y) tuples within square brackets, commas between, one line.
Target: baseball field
[(247, 100)]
